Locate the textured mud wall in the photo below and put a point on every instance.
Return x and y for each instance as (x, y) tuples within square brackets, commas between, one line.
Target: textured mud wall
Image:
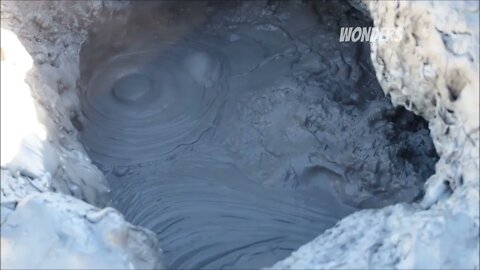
[(433, 71), (52, 35), (41, 154)]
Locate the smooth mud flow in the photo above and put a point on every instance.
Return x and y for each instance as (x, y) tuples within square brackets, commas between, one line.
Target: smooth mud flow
[(240, 131)]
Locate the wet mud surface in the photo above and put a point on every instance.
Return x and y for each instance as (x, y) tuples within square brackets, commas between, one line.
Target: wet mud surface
[(239, 131)]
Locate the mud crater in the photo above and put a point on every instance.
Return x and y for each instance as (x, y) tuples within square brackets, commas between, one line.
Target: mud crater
[(239, 131)]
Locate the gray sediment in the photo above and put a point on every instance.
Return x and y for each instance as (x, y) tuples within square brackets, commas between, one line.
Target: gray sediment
[(251, 129)]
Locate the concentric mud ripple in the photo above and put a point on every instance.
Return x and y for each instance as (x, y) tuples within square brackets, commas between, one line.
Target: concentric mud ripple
[(223, 219), (140, 105)]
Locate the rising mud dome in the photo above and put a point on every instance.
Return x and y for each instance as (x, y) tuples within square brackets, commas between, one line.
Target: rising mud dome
[(237, 133)]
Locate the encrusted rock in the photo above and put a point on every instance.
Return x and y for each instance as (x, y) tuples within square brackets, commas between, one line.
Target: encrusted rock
[(56, 231), (432, 71)]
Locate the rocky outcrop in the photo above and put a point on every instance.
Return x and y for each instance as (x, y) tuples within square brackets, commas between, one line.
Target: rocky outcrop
[(47, 62), (432, 71), (56, 231)]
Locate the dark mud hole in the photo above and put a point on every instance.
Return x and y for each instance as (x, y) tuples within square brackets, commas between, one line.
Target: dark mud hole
[(240, 131)]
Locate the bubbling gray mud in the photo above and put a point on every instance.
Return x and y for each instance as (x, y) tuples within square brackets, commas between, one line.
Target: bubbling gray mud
[(152, 102), (245, 131)]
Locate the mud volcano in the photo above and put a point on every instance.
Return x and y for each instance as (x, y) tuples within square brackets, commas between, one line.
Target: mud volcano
[(238, 132)]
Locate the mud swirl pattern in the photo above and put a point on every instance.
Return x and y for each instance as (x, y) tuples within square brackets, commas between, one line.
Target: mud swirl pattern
[(247, 136), (140, 105), (209, 216)]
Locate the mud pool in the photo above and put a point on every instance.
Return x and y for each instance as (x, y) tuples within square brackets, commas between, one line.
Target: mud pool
[(245, 131)]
